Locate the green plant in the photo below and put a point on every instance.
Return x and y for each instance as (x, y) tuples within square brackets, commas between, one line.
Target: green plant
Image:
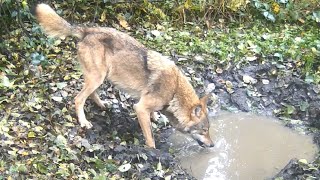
[(287, 10)]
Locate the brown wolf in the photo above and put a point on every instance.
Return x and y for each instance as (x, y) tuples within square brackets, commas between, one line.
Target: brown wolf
[(146, 75)]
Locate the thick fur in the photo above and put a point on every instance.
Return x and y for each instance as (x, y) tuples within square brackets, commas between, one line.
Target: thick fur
[(146, 75)]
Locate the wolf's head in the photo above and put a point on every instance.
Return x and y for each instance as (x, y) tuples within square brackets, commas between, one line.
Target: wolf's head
[(198, 127), (195, 122)]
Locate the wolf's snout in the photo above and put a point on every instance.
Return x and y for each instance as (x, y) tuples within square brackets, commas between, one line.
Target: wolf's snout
[(203, 140), (209, 144)]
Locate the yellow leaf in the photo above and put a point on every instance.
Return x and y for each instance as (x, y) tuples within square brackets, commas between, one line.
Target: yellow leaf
[(23, 153), (24, 4), (103, 16), (123, 22), (188, 4), (31, 134), (234, 5), (276, 8)]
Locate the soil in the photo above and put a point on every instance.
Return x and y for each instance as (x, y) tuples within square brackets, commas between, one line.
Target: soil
[(119, 132), (274, 94)]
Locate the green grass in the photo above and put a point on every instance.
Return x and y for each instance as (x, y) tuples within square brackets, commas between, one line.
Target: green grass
[(284, 45)]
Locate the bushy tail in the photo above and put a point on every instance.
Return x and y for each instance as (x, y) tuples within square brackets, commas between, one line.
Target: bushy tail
[(54, 25)]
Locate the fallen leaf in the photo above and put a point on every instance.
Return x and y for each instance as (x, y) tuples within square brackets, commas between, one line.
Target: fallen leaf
[(124, 167), (219, 70), (229, 84), (56, 98), (159, 166), (31, 134), (123, 22), (22, 168), (252, 58), (103, 16), (156, 33), (265, 81), (198, 58), (38, 128), (303, 161), (248, 79), (60, 140), (61, 85)]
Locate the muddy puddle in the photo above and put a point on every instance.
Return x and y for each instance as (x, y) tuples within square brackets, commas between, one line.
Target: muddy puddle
[(247, 147)]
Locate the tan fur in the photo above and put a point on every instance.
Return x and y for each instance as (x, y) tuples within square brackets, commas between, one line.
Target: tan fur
[(146, 75)]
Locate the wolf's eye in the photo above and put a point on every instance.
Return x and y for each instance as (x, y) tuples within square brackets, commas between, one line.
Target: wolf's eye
[(204, 131)]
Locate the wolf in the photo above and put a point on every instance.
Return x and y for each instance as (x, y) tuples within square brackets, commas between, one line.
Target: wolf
[(153, 79)]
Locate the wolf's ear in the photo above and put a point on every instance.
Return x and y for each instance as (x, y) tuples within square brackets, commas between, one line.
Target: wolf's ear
[(196, 111), (205, 98)]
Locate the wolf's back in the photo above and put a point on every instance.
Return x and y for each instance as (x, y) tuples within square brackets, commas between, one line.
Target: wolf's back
[(54, 25)]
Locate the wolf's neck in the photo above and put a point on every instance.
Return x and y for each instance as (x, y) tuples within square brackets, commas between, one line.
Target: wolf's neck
[(184, 99)]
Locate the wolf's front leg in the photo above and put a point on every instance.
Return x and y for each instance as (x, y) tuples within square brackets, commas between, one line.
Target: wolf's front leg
[(145, 123)]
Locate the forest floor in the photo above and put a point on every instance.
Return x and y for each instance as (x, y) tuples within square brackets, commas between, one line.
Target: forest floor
[(252, 68)]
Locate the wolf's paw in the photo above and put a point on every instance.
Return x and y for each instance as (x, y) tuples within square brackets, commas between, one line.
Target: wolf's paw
[(103, 104), (86, 124), (151, 144)]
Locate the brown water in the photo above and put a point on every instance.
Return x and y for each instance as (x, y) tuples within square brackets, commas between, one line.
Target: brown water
[(247, 147)]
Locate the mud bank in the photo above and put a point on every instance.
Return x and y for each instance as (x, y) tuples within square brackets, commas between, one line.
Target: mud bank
[(262, 88)]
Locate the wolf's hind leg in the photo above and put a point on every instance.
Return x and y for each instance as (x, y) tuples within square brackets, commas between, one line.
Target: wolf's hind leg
[(91, 57), (92, 81)]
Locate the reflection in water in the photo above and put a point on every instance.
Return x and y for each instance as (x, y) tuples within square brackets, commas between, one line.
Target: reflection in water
[(246, 147)]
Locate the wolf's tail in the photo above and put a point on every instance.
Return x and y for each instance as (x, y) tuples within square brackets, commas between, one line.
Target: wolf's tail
[(54, 25)]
